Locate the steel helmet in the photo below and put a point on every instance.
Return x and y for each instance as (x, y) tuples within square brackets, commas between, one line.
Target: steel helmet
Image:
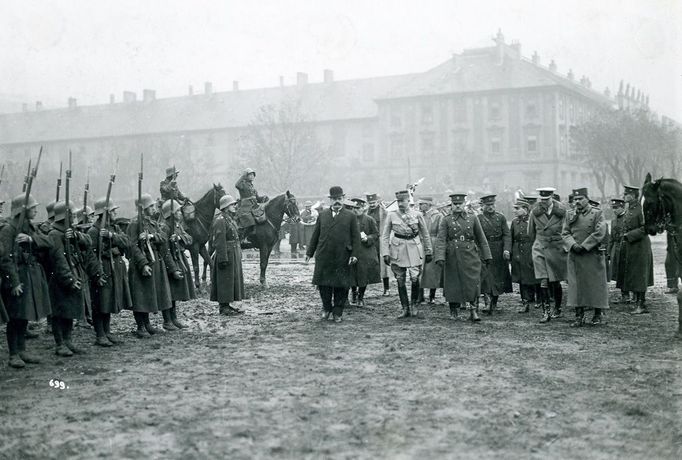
[(146, 201), (101, 204), (60, 210), (18, 204), (225, 201), (166, 208)]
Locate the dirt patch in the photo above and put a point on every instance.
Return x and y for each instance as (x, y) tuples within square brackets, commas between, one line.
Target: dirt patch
[(276, 382)]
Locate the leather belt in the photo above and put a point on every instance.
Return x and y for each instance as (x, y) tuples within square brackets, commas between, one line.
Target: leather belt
[(404, 237), (495, 238), (462, 239)]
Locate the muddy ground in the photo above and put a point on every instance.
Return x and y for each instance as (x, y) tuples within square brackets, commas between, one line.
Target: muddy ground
[(277, 383)]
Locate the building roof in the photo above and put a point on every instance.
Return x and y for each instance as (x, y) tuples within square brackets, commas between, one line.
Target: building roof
[(481, 69), (338, 100)]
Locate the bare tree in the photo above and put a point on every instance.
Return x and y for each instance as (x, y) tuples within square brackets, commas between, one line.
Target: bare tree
[(284, 147)]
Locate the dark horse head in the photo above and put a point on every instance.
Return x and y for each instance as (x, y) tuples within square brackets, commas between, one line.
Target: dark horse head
[(206, 205), (661, 202)]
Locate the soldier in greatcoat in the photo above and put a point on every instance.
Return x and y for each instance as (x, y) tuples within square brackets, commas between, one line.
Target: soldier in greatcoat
[(227, 276), (366, 270), (549, 258), (334, 243), (432, 277), (308, 218), (461, 248), (614, 249), (114, 295), (179, 271), (405, 247), (636, 271), (377, 211), (25, 293), (495, 278), (147, 273), (69, 272), (168, 187), (522, 270), (583, 231), (249, 199)]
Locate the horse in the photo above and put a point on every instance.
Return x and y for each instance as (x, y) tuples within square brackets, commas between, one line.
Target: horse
[(198, 218), (663, 211), (266, 234)]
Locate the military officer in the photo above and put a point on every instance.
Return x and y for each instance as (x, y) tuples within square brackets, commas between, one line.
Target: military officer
[(549, 258), (169, 186), (25, 293), (432, 278), (308, 219), (248, 200), (366, 270), (495, 278), (377, 211), (583, 231), (614, 249), (636, 271), (522, 270), (405, 247), (461, 248), (227, 276)]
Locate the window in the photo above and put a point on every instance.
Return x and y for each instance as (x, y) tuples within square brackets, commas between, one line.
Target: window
[(494, 111), (531, 110), (495, 145), (427, 114), (532, 144)]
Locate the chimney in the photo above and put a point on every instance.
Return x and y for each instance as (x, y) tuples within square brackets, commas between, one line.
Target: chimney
[(190, 90), (72, 102), (301, 78), (281, 81), (129, 96), (24, 107), (570, 75), (112, 99), (39, 106), (328, 75), (552, 66), (208, 88), (535, 58), (148, 95), (235, 85), (516, 48), (499, 52)]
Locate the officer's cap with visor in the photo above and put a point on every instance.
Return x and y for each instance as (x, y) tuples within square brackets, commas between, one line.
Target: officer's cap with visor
[(458, 198), (488, 198), (546, 193)]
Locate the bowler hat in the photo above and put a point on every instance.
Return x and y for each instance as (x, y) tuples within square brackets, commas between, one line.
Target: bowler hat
[(336, 192)]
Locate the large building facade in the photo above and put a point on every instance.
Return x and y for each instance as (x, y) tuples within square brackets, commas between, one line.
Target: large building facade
[(487, 118)]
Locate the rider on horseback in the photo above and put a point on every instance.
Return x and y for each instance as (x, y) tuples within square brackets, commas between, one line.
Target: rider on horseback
[(169, 187), (248, 202)]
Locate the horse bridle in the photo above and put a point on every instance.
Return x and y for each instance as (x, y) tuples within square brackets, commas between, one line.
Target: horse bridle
[(290, 201)]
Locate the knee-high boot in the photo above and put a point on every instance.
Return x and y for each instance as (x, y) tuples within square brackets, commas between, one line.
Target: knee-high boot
[(167, 320), (141, 332), (174, 317), (404, 302)]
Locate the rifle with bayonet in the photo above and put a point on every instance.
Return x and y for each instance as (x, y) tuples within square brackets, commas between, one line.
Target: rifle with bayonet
[(59, 183), (86, 189), (105, 215), (141, 221), (68, 250), (27, 194), (28, 174)]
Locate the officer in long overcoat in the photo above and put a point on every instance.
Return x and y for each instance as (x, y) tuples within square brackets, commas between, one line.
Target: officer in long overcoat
[(522, 270), (25, 292), (366, 270), (614, 249), (432, 277), (248, 201), (461, 248), (583, 231), (636, 271), (334, 243), (147, 272), (168, 188), (114, 296), (549, 258), (377, 211), (405, 247), (227, 275), (495, 278)]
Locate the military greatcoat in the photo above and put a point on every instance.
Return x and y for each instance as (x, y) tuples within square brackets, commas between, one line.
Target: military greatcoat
[(405, 238), (114, 296), (379, 216), (615, 247), (522, 269), (636, 271), (366, 271), (587, 284), (181, 289), (549, 256), (335, 240), (497, 280), (432, 277), (461, 244), (24, 268), (227, 277)]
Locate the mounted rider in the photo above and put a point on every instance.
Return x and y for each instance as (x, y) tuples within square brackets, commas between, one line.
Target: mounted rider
[(169, 190), (248, 209)]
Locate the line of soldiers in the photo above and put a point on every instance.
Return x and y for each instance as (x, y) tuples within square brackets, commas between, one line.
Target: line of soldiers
[(469, 254)]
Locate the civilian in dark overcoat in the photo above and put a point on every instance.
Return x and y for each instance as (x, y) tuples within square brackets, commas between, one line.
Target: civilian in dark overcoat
[(636, 271), (227, 277), (495, 278), (366, 270), (334, 244), (583, 232), (25, 292), (114, 295), (522, 270), (147, 273)]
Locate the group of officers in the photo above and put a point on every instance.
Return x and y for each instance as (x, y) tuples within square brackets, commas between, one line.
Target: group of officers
[(473, 253)]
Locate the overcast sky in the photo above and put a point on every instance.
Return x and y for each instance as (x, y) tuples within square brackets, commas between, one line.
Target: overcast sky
[(89, 49)]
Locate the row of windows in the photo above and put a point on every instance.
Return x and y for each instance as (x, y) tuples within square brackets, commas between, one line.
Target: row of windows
[(460, 113)]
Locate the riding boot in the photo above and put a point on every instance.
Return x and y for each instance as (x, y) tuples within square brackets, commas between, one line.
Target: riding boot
[(641, 307), (174, 317), (361, 296), (558, 297), (167, 321), (432, 296), (524, 307), (454, 307), (421, 298), (141, 332), (579, 317), (354, 295), (385, 281), (546, 316), (415, 293), (148, 325), (68, 334), (107, 330), (486, 304), (596, 318), (404, 302), (473, 313), (493, 304)]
